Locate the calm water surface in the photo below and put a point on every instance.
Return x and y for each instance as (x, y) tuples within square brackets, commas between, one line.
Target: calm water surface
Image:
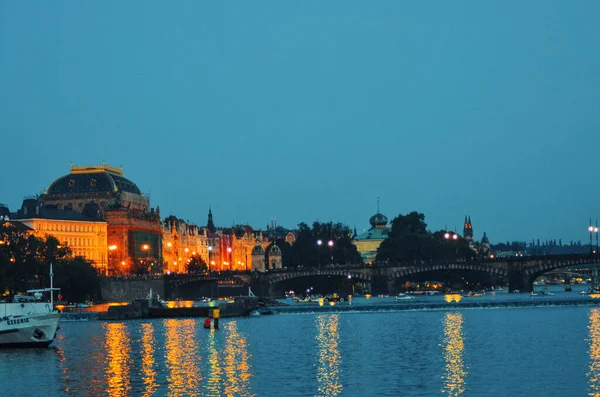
[(550, 351)]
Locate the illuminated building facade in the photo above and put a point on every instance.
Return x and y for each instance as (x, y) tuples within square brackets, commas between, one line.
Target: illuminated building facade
[(85, 233), (181, 242), (369, 241), (468, 230), (133, 230)]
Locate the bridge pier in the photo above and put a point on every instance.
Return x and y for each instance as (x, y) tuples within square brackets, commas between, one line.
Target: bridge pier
[(518, 279), (380, 285)]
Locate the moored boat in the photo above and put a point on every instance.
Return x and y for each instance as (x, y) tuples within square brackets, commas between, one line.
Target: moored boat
[(27, 321)]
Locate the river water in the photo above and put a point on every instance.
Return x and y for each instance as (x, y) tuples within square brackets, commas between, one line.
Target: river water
[(503, 351)]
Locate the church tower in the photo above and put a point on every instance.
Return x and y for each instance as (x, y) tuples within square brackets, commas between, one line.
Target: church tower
[(210, 224), (468, 229)]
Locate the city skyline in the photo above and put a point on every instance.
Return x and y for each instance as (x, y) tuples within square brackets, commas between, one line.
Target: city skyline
[(309, 112)]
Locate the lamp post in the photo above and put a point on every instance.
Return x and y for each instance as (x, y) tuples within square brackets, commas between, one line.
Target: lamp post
[(330, 244), (319, 242), (591, 230), (596, 231), (452, 236), (111, 250), (229, 256), (146, 248), (209, 257)]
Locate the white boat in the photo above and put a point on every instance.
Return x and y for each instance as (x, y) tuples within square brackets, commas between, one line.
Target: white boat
[(27, 321), (401, 297)]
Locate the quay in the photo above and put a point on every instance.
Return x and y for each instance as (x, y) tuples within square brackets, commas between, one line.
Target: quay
[(152, 308)]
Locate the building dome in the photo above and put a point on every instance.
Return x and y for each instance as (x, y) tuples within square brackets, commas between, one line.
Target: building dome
[(258, 249), (92, 179), (274, 250), (378, 220)]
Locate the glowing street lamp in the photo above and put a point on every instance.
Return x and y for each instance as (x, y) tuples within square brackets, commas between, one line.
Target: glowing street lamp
[(591, 230), (319, 243), (111, 250), (330, 244)]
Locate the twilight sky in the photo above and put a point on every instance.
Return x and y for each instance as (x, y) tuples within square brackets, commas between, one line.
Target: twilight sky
[(310, 110)]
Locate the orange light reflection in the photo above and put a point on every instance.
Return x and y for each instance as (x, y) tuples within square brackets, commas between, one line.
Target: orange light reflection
[(183, 355), (236, 367), (148, 373), (594, 341), (454, 378), (328, 340), (118, 354)]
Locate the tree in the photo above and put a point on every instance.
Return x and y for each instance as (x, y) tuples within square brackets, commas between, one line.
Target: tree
[(196, 265), (306, 252), (78, 280), (408, 240)]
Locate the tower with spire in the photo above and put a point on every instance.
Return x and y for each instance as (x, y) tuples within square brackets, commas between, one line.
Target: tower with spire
[(210, 224), (468, 229)]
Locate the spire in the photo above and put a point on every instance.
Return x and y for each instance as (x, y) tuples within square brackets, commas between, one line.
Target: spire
[(378, 205), (355, 234), (210, 224)]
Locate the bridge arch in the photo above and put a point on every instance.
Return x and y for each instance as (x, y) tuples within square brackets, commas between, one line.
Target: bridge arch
[(362, 275), (396, 273)]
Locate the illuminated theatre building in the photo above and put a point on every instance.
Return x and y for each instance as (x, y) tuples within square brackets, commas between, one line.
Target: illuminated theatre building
[(84, 232), (132, 229)]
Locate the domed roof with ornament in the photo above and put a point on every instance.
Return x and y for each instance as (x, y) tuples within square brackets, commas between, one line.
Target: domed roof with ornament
[(92, 179), (258, 249), (274, 250)]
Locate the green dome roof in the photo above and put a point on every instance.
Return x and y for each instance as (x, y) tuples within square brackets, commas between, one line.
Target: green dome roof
[(378, 220)]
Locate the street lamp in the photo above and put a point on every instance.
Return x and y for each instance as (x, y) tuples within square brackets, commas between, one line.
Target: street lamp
[(330, 244), (591, 230), (145, 248), (229, 256), (210, 256), (111, 249), (452, 236), (319, 242), (596, 231)]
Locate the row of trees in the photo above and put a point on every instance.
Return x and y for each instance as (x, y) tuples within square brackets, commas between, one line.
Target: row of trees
[(307, 252), (25, 264), (408, 241)]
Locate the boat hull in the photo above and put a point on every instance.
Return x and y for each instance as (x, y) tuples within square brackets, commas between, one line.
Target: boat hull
[(34, 330)]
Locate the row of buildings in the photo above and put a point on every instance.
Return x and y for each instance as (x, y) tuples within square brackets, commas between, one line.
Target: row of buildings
[(103, 217)]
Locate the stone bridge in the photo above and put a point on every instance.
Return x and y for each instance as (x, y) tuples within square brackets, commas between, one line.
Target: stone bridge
[(520, 272)]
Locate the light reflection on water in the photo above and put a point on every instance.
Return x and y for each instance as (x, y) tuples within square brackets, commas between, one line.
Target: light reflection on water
[(118, 359), (480, 352), (148, 351), (594, 349), (237, 368), (453, 344), (328, 340), (182, 357)]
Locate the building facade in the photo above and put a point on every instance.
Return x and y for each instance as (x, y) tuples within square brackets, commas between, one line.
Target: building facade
[(369, 241), (85, 233), (181, 242), (134, 235)]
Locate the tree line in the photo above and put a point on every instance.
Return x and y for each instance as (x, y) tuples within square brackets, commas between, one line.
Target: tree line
[(25, 264)]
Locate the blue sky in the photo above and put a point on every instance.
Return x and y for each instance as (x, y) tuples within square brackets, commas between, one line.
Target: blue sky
[(311, 110)]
